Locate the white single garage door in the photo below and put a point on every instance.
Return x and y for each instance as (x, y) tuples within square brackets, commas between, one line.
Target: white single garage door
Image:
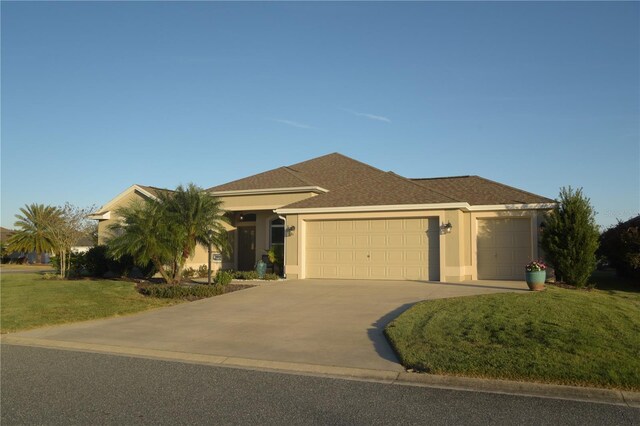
[(504, 248), (391, 249)]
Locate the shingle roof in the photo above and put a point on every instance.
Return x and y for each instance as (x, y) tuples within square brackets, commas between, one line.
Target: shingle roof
[(329, 172), (5, 234), (276, 178), (351, 183), (381, 189), (153, 190), (477, 190)]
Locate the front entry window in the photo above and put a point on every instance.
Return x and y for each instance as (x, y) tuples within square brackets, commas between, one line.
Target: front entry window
[(277, 232)]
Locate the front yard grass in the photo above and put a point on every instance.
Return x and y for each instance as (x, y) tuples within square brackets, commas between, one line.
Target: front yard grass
[(27, 301), (587, 338)]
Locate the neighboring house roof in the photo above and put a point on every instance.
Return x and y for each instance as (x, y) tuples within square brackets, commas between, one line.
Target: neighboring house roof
[(351, 183), (5, 234), (85, 241)]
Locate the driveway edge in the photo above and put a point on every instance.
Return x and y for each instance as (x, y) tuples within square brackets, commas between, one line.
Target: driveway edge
[(541, 390)]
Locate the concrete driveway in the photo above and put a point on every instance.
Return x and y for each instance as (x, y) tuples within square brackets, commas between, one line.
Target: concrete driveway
[(317, 322)]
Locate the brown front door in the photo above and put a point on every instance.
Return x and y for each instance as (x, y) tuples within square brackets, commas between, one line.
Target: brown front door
[(246, 248)]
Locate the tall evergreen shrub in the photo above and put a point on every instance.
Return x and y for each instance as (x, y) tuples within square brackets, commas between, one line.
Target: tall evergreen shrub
[(571, 237)]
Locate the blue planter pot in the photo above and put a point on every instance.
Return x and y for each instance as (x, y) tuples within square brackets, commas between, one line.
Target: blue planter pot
[(535, 279), (261, 269)]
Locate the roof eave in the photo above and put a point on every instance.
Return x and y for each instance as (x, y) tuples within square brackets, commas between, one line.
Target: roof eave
[(266, 191), (412, 207)]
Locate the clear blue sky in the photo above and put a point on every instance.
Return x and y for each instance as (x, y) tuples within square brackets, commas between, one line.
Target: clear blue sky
[(98, 96)]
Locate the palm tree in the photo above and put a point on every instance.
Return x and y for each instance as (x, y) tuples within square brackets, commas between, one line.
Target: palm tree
[(198, 218), (143, 234), (35, 233), (166, 231)]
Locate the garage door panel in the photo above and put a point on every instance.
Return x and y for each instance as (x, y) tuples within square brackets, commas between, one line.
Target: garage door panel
[(345, 271), (329, 256), (378, 256), (378, 271), (414, 256), (330, 241), (504, 247), (346, 256), (395, 224), (378, 240), (395, 257), (403, 248), (314, 240), (361, 225), (346, 241), (414, 273), (395, 240), (345, 226), (362, 240), (395, 272), (313, 256), (361, 257), (414, 240), (361, 272), (377, 226)]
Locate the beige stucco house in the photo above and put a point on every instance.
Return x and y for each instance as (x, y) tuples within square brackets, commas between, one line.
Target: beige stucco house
[(340, 218)]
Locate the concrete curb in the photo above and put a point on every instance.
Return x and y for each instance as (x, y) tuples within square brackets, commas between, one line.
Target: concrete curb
[(541, 390)]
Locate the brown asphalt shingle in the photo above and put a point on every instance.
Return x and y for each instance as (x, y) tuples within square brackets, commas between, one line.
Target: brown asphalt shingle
[(476, 190), (351, 183), (329, 172)]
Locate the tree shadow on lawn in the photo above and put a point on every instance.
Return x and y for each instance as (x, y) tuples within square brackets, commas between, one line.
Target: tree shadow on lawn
[(377, 337)]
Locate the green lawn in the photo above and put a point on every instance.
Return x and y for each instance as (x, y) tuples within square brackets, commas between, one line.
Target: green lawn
[(557, 336), (27, 301)]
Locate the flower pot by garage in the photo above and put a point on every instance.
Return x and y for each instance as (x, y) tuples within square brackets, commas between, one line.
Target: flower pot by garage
[(535, 279)]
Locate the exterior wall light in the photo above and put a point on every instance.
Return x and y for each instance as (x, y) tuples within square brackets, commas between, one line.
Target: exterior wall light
[(290, 230), (446, 229)]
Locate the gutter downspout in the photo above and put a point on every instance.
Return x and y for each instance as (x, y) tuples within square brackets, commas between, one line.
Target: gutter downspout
[(284, 247)]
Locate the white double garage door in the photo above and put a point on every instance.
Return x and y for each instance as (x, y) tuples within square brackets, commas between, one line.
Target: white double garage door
[(409, 248)]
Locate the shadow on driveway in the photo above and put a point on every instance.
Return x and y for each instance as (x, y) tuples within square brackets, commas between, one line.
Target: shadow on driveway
[(377, 337)]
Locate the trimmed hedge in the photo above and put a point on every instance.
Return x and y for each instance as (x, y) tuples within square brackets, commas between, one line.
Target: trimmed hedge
[(166, 291)]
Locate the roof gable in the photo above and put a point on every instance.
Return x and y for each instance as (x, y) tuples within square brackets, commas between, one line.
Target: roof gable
[(145, 191), (329, 172)]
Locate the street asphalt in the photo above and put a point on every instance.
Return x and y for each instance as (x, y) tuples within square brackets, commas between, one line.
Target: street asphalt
[(49, 386)]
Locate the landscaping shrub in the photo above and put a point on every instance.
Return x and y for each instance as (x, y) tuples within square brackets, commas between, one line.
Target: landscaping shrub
[(98, 263), (203, 271), (620, 245), (188, 273), (223, 277), (77, 265), (245, 275), (570, 238), (270, 277), (167, 291)]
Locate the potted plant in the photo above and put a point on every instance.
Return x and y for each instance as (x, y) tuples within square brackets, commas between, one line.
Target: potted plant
[(535, 275), (275, 255)]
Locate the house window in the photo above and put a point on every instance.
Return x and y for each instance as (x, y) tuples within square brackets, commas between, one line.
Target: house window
[(247, 217), (277, 232)]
